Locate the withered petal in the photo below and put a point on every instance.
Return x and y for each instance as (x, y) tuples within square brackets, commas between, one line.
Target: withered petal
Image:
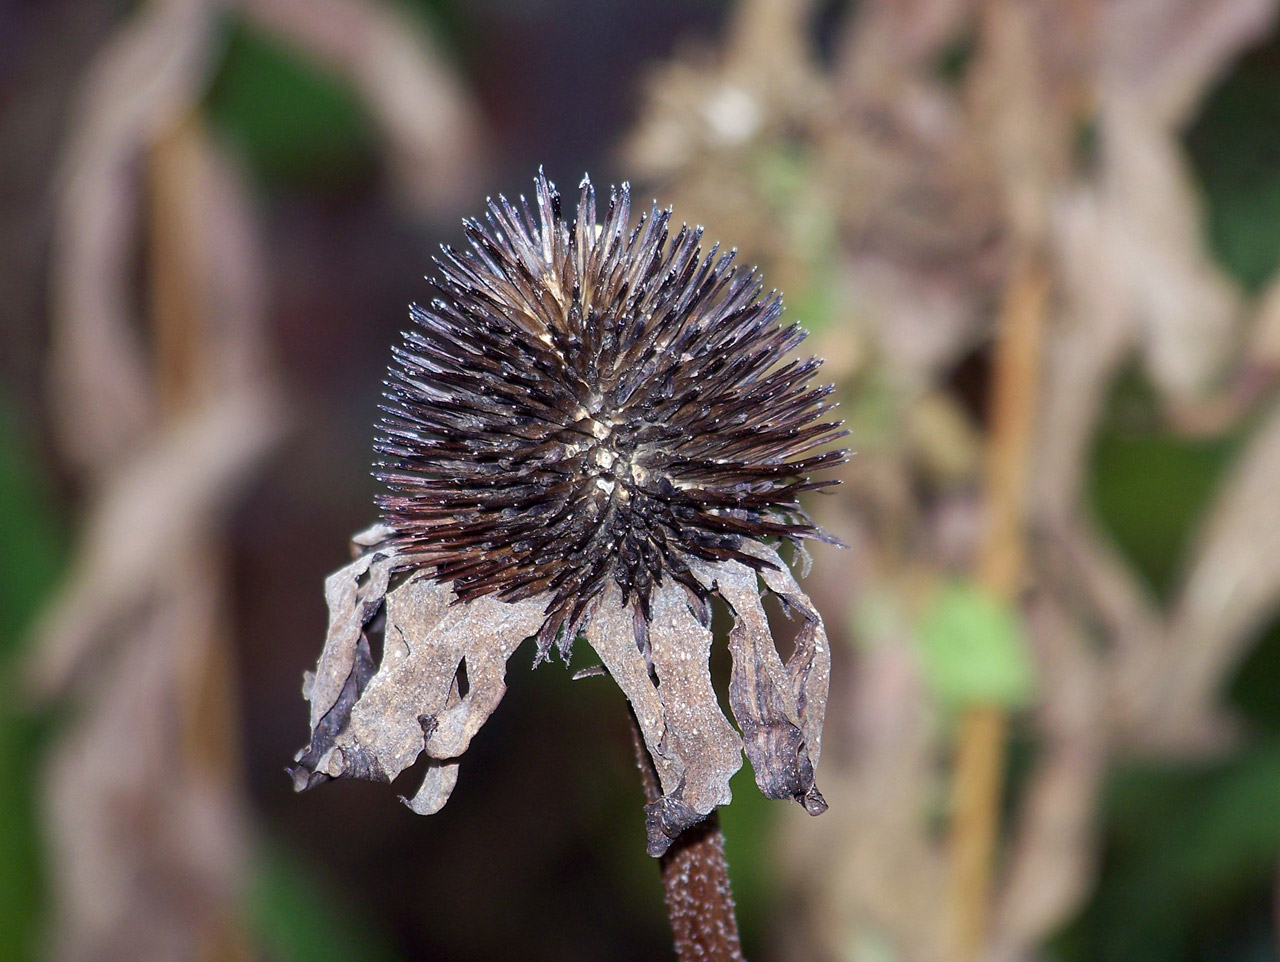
[(353, 594), (809, 667), (437, 786), (762, 693), (373, 722), (705, 746), (612, 635), (413, 701), (694, 749)]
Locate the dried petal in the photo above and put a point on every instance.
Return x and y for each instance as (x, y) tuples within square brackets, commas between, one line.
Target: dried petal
[(436, 787), (376, 726), (354, 594), (704, 746), (809, 667), (693, 747), (761, 691), (611, 633)]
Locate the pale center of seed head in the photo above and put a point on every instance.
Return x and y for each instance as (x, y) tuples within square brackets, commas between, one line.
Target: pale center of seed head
[(613, 466)]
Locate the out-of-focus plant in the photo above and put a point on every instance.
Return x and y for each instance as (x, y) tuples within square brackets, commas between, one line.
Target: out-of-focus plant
[(163, 399), (915, 176), (988, 208)]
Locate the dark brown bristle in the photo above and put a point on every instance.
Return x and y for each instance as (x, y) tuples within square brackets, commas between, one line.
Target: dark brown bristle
[(590, 402)]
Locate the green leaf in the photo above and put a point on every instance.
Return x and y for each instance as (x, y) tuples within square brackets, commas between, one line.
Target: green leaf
[(295, 123), (31, 553), (1232, 147), (1149, 490), (974, 649), (1190, 850)]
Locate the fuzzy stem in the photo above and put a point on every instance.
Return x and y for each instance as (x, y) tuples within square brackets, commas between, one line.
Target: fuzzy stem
[(695, 876)]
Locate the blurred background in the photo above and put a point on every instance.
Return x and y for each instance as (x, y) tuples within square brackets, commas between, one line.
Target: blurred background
[(1037, 243)]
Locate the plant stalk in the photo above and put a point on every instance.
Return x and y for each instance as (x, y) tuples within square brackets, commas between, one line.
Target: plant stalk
[(695, 876), (980, 748)]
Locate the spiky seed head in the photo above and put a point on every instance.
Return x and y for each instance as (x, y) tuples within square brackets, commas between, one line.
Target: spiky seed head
[(590, 401)]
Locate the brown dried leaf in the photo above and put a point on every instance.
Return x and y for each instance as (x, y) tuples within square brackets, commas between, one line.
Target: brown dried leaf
[(146, 841), (1166, 53), (1231, 590), (145, 516), (150, 72)]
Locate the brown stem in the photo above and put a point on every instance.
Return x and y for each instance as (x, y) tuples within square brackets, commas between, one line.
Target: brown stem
[(181, 326), (980, 749), (695, 876)]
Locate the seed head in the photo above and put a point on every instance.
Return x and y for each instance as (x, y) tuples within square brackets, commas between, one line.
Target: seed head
[(588, 403), (594, 430)]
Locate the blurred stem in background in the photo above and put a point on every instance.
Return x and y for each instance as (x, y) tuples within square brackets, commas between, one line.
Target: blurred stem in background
[(181, 325), (982, 734)]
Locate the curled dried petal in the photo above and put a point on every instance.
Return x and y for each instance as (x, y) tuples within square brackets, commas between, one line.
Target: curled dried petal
[(374, 721), (378, 725), (354, 594), (809, 667), (762, 693)]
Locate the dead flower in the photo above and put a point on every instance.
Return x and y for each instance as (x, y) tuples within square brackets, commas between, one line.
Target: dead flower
[(591, 433)]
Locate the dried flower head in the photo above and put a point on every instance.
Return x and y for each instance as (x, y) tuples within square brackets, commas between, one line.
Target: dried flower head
[(592, 432)]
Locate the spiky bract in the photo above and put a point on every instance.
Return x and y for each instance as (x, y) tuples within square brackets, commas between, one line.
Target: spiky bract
[(590, 402)]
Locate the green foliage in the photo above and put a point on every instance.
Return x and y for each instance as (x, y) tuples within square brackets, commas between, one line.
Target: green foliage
[(294, 123), (974, 649), (1150, 488), (294, 918), (1186, 848), (30, 557), (30, 540), (1253, 691), (1234, 146)]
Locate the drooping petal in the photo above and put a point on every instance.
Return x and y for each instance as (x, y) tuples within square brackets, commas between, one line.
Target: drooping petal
[(437, 786), (809, 666), (354, 594), (380, 724), (705, 748), (611, 633), (760, 689)]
